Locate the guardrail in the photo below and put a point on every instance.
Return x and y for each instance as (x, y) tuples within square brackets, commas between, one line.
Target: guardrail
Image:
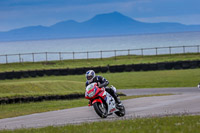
[(103, 69), (51, 56)]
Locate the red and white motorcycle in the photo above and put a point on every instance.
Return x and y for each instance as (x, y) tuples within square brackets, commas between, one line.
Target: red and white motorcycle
[(103, 103)]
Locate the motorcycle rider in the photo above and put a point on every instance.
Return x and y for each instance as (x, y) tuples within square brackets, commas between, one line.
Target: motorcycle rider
[(102, 82)]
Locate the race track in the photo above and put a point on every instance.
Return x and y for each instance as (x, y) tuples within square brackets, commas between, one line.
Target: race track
[(184, 102)]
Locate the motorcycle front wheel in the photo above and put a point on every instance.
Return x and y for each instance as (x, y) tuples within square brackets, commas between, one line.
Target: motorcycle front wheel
[(100, 109)]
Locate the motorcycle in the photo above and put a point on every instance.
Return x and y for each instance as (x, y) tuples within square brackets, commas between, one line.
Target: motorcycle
[(104, 104)]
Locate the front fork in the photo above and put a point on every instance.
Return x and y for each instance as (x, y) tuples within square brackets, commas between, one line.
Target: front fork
[(91, 102)]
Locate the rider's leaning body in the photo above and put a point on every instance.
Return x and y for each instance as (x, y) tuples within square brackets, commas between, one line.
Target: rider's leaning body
[(101, 82)]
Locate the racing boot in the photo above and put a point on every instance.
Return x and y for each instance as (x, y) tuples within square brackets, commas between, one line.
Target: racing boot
[(112, 92), (117, 100), (119, 103)]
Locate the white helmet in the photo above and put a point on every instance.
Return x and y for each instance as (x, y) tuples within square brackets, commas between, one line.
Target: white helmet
[(90, 75)]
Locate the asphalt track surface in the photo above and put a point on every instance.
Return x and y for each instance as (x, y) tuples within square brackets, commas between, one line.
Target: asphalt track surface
[(186, 101)]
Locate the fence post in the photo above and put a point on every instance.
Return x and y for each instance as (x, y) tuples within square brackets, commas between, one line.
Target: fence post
[(129, 53), (115, 54), (60, 56), (101, 54), (33, 57), (46, 57), (184, 49), (19, 58), (87, 55), (156, 51), (142, 51), (6, 59), (170, 51), (73, 55)]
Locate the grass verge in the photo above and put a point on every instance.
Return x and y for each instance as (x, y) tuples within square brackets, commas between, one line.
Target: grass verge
[(61, 85), (175, 124), (13, 110), (132, 59)]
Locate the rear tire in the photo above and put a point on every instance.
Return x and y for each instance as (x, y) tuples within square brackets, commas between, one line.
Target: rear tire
[(101, 111), (121, 112)]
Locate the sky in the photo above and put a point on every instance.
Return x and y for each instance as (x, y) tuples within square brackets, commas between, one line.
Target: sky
[(21, 13)]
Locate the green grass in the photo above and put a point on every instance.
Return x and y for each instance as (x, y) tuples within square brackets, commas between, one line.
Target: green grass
[(35, 87), (13, 110), (175, 124), (62, 85), (97, 62)]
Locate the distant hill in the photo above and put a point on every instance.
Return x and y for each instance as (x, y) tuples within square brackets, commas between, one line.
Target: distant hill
[(101, 25)]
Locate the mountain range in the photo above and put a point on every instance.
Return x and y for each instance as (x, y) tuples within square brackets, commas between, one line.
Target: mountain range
[(111, 24)]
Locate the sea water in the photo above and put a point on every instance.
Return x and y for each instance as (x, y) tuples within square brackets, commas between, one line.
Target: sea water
[(97, 44)]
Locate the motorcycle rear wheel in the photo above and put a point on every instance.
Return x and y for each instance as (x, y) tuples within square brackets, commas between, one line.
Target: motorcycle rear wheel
[(101, 111), (121, 111)]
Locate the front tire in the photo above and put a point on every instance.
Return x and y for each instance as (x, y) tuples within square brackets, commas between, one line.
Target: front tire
[(101, 111)]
